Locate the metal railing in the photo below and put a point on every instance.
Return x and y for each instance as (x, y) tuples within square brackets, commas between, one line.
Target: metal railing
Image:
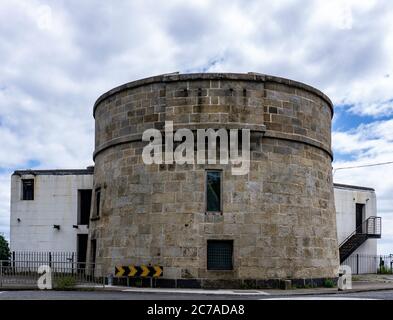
[(43, 255), (370, 264), (371, 227), (63, 273), (59, 261)]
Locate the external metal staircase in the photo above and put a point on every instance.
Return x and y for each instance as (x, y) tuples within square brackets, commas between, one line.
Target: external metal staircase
[(370, 228)]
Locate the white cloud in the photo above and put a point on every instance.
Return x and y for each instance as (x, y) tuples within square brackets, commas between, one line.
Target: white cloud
[(370, 144), (4, 203), (58, 57), (368, 141)]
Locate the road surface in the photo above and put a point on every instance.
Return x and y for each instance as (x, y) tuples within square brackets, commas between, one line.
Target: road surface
[(126, 295)]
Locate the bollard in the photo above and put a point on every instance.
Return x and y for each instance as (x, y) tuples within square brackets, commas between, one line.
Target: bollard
[(110, 279)]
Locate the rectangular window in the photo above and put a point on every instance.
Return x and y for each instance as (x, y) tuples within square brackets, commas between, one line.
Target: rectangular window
[(84, 205), (93, 251), (220, 255), (213, 191), (28, 189), (98, 202)]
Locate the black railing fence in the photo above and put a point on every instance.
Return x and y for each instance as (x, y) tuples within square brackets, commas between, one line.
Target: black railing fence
[(22, 268), (363, 264), (31, 260), (373, 226), (44, 255)]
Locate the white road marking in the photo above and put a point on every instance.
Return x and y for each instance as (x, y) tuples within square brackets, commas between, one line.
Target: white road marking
[(208, 292), (318, 298)]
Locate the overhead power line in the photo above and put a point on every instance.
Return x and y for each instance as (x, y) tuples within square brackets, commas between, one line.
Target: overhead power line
[(364, 166)]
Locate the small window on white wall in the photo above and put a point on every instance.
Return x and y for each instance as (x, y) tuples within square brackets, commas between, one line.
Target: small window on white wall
[(28, 189)]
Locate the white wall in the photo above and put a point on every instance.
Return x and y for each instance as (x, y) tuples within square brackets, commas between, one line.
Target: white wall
[(55, 203), (345, 201)]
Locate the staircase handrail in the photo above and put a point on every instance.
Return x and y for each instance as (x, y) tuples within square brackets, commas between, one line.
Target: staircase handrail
[(360, 227)]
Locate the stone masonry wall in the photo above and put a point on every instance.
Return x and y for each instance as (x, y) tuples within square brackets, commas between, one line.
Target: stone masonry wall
[(280, 216)]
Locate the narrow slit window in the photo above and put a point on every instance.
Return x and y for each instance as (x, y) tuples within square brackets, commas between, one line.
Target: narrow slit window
[(98, 202), (213, 191), (93, 251), (28, 189)]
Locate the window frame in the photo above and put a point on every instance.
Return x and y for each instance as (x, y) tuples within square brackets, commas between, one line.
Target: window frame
[(23, 189), (232, 256), (93, 252), (97, 202), (221, 192)]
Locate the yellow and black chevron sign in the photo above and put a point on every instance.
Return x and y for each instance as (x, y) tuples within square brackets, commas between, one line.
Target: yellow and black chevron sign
[(139, 271)]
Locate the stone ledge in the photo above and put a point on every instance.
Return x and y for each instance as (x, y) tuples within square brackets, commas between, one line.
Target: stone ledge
[(253, 128), (298, 138), (258, 77), (192, 126)]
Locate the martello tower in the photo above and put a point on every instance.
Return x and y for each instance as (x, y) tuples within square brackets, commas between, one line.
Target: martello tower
[(204, 225)]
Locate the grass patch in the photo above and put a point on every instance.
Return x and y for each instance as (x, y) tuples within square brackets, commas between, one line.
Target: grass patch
[(65, 283), (384, 270), (328, 283)]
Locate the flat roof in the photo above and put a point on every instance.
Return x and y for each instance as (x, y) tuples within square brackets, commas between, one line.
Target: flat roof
[(348, 186), (56, 172)]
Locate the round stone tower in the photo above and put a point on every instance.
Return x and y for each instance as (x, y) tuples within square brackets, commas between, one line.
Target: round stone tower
[(204, 225)]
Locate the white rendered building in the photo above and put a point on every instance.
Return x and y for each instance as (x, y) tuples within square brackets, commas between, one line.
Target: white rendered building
[(50, 211), (358, 227)]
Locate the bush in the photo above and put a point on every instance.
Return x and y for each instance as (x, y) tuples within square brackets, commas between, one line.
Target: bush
[(5, 253), (384, 270), (328, 283), (65, 283)]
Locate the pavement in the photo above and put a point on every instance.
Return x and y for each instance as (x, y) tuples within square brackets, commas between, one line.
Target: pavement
[(363, 287), (357, 287), (194, 296), (360, 283)]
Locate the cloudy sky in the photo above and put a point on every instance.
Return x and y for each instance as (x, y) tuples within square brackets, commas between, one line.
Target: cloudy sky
[(57, 57)]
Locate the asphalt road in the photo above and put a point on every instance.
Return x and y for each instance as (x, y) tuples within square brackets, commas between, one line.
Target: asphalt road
[(121, 295)]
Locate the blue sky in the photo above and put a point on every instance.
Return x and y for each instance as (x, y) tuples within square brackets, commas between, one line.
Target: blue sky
[(345, 120), (57, 57)]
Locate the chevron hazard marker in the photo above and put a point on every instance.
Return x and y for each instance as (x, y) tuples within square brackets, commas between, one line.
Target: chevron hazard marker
[(145, 271), (119, 271), (139, 271), (133, 271), (158, 271)]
